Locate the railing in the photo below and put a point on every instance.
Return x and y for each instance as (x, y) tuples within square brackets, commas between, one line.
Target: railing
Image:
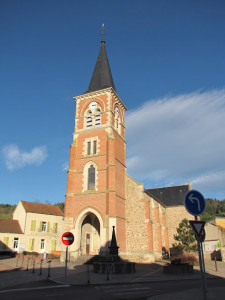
[(33, 262)]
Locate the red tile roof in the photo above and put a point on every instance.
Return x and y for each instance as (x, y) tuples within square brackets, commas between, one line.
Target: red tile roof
[(40, 208), (221, 227), (10, 226)]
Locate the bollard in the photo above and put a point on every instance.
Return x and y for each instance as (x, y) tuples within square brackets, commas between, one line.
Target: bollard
[(41, 267), (215, 264), (33, 266), (107, 271), (27, 263), (49, 262)]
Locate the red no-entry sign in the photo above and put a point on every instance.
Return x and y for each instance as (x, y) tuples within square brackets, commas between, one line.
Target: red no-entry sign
[(67, 238)]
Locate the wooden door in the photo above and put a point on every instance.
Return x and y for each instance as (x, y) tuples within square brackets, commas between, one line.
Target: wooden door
[(87, 243)]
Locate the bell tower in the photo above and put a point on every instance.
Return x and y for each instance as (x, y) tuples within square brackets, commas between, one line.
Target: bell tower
[(95, 196)]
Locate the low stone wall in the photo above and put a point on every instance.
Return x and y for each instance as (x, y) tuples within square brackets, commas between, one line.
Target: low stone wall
[(178, 269), (138, 257)]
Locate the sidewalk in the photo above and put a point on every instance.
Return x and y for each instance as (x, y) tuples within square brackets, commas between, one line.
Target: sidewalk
[(82, 275)]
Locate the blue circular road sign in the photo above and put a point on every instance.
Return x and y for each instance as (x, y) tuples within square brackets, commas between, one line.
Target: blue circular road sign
[(194, 203)]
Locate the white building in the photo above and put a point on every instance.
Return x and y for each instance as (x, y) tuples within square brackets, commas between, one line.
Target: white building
[(35, 227)]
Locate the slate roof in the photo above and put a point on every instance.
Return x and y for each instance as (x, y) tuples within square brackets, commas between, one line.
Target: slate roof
[(169, 196), (102, 76), (40, 208), (10, 226)]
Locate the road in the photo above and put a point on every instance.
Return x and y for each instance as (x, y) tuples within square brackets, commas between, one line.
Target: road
[(134, 291)]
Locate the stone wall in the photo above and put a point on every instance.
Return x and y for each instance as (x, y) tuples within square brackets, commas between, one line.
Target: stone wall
[(136, 227), (146, 227), (174, 215)]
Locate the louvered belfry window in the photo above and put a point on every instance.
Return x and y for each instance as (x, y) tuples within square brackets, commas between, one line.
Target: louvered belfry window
[(89, 119), (91, 178), (98, 117)]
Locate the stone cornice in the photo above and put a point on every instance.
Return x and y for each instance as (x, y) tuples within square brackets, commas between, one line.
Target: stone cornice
[(101, 92)]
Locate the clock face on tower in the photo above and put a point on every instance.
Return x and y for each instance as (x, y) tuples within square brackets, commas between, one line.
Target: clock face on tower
[(93, 105)]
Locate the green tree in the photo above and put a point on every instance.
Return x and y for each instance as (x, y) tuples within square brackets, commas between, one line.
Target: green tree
[(185, 237), (61, 205)]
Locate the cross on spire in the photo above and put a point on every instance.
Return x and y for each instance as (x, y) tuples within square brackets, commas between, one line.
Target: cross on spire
[(103, 29), (102, 76)]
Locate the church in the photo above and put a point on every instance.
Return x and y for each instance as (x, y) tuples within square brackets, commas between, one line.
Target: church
[(100, 194)]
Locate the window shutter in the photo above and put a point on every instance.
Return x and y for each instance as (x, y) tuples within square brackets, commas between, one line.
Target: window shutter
[(91, 178), (55, 227), (48, 227), (33, 225), (6, 240), (40, 227), (53, 245)]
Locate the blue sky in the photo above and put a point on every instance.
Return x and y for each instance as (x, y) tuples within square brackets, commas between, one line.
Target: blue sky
[(168, 64)]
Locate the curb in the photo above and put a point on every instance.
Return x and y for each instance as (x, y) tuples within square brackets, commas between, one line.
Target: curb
[(10, 270), (155, 279)]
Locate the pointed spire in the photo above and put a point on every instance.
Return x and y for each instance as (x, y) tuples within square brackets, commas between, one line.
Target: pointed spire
[(113, 248), (102, 76)]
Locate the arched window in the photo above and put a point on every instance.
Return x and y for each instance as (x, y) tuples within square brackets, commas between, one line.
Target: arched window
[(91, 178), (93, 116)]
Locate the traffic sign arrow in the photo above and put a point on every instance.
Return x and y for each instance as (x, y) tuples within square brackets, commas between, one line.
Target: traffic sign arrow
[(197, 227), (194, 203)]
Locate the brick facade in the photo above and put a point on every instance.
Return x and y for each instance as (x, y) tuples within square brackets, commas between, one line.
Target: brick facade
[(107, 197), (144, 226)]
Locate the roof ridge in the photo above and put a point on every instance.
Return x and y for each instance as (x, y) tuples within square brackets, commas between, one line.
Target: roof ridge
[(164, 187), (41, 208)]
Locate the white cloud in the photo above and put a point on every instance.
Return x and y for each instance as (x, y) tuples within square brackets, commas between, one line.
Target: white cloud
[(176, 139), (16, 159), (213, 184)]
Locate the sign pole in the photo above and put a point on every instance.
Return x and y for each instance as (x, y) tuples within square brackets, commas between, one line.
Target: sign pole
[(195, 204), (203, 265), (66, 262), (67, 239), (200, 264)]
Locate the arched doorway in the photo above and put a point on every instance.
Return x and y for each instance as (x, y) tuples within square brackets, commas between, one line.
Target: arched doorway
[(90, 234)]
